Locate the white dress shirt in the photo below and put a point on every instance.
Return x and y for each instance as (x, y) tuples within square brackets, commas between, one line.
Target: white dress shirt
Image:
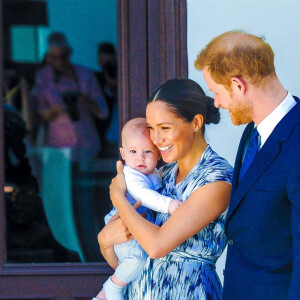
[(267, 125)]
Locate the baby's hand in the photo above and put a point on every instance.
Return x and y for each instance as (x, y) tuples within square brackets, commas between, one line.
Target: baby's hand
[(174, 204)]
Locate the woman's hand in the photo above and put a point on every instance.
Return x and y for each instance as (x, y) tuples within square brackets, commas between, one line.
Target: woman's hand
[(50, 114), (115, 232), (117, 187)]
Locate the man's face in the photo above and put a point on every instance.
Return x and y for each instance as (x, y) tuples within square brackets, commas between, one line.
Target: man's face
[(111, 83), (103, 58), (59, 58), (240, 110)]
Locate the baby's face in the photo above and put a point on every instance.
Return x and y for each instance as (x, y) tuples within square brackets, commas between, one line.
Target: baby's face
[(140, 153)]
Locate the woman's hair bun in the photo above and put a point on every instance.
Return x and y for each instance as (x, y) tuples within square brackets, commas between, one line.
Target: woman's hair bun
[(213, 113), (187, 99)]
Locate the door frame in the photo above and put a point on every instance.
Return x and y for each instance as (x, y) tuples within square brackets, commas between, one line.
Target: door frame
[(159, 53), (152, 48)]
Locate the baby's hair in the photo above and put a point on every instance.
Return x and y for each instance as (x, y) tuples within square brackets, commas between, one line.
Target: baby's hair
[(134, 126)]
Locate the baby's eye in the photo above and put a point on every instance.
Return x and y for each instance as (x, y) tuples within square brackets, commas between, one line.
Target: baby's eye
[(132, 151), (148, 151)]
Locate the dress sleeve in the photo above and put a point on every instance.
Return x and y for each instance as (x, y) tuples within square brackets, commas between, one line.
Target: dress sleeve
[(220, 172), (138, 186), (215, 169)]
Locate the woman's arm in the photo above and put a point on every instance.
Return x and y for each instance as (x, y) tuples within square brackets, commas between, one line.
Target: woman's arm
[(201, 208), (109, 255), (114, 232)]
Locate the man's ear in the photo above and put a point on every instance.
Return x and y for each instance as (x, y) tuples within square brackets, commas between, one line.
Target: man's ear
[(238, 85), (122, 152)]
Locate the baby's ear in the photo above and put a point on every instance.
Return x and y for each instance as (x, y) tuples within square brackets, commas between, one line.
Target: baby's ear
[(122, 152)]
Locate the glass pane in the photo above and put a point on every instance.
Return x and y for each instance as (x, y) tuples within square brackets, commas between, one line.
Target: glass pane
[(23, 44), (61, 126)]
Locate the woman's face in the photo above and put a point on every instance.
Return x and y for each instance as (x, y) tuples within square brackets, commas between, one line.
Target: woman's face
[(171, 134)]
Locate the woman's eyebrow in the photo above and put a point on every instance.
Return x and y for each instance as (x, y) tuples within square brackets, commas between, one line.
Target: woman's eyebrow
[(163, 123)]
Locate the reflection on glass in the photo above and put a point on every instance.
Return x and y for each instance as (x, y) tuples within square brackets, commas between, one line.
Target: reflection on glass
[(61, 128)]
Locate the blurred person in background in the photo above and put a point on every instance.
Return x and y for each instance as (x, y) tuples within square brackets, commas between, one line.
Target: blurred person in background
[(68, 99), (108, 129)]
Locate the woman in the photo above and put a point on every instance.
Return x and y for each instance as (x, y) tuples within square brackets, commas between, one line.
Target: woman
[(182, 247)]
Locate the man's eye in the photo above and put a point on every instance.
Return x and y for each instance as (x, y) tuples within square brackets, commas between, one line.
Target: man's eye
[(165, 128)]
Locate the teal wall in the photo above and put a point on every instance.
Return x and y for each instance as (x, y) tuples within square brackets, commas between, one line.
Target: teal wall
[(24, 44), (85, 23)]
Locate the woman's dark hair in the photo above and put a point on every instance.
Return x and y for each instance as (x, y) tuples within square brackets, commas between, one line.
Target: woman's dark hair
[(186, 99)]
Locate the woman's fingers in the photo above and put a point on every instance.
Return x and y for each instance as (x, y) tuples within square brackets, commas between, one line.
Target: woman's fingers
[(119, 166), (137, 205), (144, 214), (115, 232), (116, 216), (118, 185), (124, 231)]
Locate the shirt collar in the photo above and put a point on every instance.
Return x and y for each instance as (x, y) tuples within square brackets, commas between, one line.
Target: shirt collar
[(267, 125)]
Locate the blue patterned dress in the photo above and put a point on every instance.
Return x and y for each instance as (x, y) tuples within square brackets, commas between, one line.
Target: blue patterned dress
[(188, 272)]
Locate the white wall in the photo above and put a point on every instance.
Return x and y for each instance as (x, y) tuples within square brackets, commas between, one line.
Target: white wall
[(276, 20)]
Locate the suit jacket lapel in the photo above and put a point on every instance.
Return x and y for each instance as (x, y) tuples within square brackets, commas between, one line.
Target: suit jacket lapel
[(264, 157)]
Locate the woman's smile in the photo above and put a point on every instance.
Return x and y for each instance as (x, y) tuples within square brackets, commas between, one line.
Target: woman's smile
[(166, 148), (171, 134)]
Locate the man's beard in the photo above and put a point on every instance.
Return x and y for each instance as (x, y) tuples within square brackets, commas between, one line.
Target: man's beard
[(240, 112)]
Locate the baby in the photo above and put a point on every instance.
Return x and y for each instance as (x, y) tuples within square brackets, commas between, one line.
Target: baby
[(143, 182)]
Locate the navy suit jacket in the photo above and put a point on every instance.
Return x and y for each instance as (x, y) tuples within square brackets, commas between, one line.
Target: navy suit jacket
[(263, 220)]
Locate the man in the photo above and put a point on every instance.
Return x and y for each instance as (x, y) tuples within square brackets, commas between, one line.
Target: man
[(106, 53), (263, 220), (108, 129), (107, 78), (68, 98)]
